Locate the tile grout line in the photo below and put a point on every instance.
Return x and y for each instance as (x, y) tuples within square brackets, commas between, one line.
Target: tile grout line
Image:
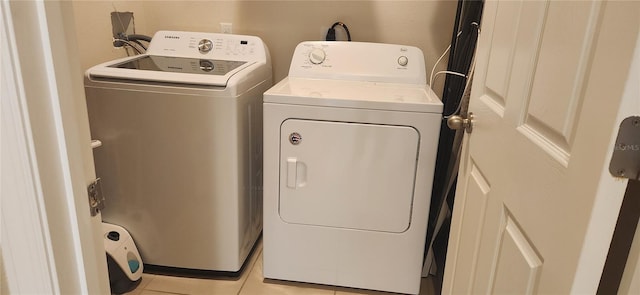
[(147, 284), (250, 270), (168, 293)]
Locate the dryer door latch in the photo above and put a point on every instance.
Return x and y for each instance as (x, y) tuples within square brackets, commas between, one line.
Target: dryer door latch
[(96, 198)]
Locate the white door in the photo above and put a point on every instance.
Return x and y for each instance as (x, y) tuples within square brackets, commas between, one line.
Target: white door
[(51, 244), (535, 205), (338, 174)]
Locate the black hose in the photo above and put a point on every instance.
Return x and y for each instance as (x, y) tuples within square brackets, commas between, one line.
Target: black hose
[(139, 44), (135, 37)]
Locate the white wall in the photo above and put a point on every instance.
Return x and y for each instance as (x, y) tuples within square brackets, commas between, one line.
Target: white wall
[(281, 24), (93, 29)]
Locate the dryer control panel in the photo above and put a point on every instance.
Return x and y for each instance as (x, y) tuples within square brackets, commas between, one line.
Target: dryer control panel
[(359, 61), (207, 46)]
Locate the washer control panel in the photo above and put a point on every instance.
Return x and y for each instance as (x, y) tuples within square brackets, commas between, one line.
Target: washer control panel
[(207, 46), (374, 62)]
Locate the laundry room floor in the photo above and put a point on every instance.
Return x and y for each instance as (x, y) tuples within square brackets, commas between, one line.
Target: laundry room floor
[(250, 282)]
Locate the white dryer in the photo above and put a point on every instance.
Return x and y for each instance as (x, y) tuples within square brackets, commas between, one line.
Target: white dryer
[(350, 140), (181, 160)]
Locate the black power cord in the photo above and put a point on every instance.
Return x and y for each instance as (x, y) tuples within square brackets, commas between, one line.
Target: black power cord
[(331, 33)]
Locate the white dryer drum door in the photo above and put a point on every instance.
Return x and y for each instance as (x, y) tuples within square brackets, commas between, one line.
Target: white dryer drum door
[(347, 175)]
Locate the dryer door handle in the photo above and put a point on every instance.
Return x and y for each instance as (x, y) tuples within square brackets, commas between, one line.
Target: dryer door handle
[(292, 172), (296, 173)]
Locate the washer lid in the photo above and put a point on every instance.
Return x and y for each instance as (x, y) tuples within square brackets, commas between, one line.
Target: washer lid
[(354, 94), (188, 58), (170, 69)]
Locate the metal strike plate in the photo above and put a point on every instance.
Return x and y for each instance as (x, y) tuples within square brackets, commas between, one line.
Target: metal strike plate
[(96, 198), (625, 161)]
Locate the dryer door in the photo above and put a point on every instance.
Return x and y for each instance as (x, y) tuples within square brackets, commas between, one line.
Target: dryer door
[(347, 175)]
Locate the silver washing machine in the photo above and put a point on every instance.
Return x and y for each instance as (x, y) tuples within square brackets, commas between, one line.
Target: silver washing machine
[(181, 160)]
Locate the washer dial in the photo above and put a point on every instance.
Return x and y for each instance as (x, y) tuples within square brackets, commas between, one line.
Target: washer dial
[(205, 45)]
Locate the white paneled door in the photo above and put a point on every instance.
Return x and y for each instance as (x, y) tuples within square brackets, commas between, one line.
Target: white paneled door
[(535, 205)]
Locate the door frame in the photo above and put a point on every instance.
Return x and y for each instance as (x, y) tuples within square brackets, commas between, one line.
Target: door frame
[(49, 243), (608, 201)]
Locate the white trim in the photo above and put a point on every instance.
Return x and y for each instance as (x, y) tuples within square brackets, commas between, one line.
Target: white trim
[(26, 245), (89, 253), (609, 195), (63, 151), (54, 117)]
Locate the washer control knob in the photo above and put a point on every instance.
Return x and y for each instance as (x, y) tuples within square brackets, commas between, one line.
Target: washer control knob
[(317, 56), (206, 65), (403, 61), (205, 45)]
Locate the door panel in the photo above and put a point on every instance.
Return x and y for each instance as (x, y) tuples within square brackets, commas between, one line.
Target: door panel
[(562, 62), (501, 52), (531, 169), (338, 175), (517, 263), (478, 189)]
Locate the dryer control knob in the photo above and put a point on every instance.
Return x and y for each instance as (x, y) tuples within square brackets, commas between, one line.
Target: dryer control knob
[(205, 45), (403, 61), (317, 56)]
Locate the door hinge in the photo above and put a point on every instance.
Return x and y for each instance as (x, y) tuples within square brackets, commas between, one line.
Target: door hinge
[(625, 161), (96, 198)]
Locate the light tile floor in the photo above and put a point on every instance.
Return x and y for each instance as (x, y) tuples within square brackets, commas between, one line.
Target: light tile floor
[(251, 282)]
